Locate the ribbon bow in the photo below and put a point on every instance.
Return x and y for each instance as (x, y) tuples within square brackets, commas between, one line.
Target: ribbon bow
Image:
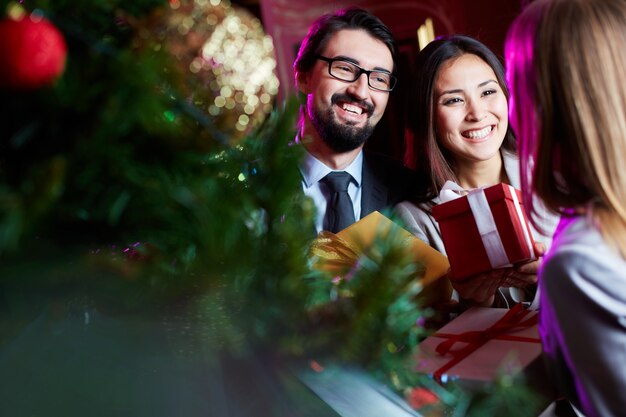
[(451, 191), (513, 320), (333, 254)]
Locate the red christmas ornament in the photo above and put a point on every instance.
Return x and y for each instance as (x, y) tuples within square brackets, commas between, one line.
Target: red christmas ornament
[(420, 397), (33, 53)]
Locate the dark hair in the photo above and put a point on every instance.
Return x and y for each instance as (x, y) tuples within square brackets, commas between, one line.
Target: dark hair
[(327, 25), (427, 155)]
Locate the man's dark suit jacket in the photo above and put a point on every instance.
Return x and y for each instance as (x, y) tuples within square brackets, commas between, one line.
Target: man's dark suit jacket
[(385, 182)]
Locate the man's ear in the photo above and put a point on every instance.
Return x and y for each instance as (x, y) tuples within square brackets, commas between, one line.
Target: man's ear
[(302, 82)]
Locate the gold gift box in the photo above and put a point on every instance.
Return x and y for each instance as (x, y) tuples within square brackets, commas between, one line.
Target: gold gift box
[(338, 253)]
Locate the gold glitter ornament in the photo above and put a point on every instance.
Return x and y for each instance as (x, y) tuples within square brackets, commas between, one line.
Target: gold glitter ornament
[(225, 62)]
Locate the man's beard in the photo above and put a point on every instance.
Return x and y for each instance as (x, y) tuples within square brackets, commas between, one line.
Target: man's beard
[(340, 137)]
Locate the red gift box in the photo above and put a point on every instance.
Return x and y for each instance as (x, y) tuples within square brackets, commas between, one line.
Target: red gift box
[(470, 248), (482, 344)]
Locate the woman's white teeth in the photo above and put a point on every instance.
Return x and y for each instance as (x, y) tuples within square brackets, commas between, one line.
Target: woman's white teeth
[(352, 109), (478, 134)]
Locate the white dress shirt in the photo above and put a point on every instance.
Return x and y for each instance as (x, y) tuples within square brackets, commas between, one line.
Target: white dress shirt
[(313, 170)]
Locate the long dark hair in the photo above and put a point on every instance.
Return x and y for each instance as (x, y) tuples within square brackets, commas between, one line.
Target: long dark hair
[(427, 156)]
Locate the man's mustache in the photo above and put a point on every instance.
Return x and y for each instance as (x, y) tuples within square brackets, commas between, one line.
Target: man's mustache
[(346, 98)]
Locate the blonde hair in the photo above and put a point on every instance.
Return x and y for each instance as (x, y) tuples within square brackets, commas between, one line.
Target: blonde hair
[(566, 67)]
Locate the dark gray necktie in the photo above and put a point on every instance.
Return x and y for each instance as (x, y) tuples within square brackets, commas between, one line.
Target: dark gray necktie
[(340, 212)]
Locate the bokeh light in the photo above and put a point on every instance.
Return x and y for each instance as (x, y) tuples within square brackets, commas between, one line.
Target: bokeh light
[(226, 61)]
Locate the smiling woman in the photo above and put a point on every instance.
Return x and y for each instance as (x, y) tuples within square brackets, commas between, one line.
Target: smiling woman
[(471, 120), (460, 123)]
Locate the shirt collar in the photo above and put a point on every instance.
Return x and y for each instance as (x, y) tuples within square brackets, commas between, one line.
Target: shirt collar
[(313, 169)]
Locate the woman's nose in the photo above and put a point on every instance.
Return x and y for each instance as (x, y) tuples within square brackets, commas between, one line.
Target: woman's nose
[(476, 111)]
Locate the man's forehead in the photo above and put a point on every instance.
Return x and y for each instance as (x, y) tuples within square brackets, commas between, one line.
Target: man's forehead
[(360, 47)]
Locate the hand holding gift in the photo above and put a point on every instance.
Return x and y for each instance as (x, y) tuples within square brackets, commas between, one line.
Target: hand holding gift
[(479, 290)]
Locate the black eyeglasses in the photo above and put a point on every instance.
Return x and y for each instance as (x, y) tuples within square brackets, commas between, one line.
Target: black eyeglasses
[(350, 72)]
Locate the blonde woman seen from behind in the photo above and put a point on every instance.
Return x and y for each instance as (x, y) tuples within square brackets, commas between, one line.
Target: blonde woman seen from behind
[(566, 63)]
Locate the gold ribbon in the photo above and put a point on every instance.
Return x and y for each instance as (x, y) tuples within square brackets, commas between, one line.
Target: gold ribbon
[(333, 254)]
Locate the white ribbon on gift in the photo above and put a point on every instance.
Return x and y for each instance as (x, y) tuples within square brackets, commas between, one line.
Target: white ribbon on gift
[(485, 222), (522, 222)]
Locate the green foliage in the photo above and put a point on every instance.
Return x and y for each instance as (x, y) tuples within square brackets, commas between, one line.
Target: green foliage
[(113, 185), (78, 150), (384, 310)]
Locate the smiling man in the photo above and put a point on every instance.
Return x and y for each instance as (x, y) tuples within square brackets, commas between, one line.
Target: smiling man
[(345, 69)]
